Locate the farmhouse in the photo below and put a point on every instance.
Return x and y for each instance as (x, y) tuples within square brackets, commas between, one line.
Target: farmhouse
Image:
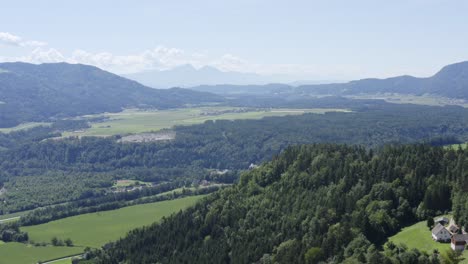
[(458, 241), (453, 229), (440, 233), (441, 220)]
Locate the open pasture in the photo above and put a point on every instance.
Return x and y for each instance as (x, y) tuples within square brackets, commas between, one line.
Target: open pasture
[(419, 236), (97, 229), (18, 253), (23, 126), (414, 99), (139, 121)]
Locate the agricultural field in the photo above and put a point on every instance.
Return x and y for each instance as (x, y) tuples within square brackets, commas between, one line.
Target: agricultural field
[(419, 236), (127, 183), (62, 261), (13, 215), (182, 189), (18, 253), (23, 127), (456, 146), (93, 230), (97, 229), (139, 121), (414, 99)]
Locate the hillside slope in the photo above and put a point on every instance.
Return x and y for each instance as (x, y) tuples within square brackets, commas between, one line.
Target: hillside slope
[(451, 81), (30, 92), (312, 203)]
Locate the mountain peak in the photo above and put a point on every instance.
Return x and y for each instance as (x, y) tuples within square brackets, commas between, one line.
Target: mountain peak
[(188, 76), (55, 90), (209, 69), (183, 67), (456, 70)]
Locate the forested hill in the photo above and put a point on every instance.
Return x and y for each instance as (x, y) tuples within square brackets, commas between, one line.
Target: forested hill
[(312, 203), (451, 81), (30, 92)]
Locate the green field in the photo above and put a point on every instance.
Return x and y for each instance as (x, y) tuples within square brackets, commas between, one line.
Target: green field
[(127, 183), (414, 99), (18, 253), (455, 146), (138, 121), (97, 229), (63, 261), (6, 216), (22, 127), (419, 236)]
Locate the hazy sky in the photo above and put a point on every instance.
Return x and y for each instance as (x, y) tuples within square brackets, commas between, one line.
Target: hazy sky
[(308, 39)]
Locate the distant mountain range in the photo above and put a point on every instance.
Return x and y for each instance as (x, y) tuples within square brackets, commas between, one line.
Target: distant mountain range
[(188, 76), (231, 89), (451, 81), (30, 92)]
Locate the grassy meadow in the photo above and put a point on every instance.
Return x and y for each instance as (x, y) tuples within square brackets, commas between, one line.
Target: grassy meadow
[(93, 230), (138, 121), (419, 236), (456, 146), (23, 126), (18, 253), (97, 229), (63, 261), (127, 183), (13, 215), (414, 99)]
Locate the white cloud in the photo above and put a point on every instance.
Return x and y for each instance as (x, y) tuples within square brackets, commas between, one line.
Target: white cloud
[(159, 58), (10, 39), (33, 43), (229, 62), (163, 58), (40, 55)]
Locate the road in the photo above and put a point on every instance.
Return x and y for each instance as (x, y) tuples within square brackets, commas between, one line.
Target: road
[(48, 262), (9, 219)]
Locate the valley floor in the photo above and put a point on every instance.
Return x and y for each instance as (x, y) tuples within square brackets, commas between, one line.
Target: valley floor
[(88, 230), (139, 121)]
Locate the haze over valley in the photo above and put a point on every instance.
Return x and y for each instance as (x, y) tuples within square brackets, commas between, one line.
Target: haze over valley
[(234, 132)]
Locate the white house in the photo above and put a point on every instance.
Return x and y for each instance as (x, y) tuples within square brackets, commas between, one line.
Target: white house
[(440, 233), (458, 241)]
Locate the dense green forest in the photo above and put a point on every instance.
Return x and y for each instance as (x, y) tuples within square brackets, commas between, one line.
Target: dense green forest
[(331, 203), (73, 169), (110, 202)]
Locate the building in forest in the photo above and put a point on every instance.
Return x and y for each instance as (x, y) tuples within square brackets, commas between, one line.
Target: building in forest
[(440, 233), (459, 241), (441, 220)]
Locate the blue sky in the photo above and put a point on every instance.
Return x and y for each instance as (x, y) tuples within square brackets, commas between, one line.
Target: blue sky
[(318, 40)]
